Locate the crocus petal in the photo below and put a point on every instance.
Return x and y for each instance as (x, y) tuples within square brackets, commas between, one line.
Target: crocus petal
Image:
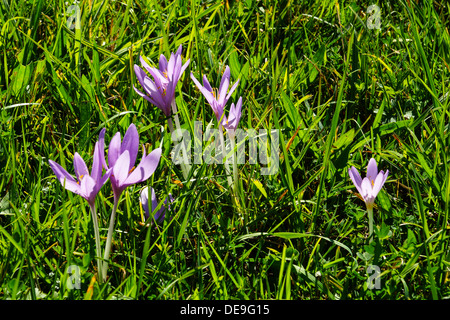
[(232, 89), (385, 176), (377, 184), (97, 166), (151, 87), (140, 75), (185, 65), (131, 144), (66, 180), (154, 90), (160, 81), (206, 84), (87, 189), (235, 115), (205, 91), (154, 200), (101, 182), (149, 99), (372, 170), (114, 149), (121, 168), (160, 214), (160, 102), (223, 88), (144, 63), (176, 71), (145, 168), (366, 188), (229, 123), (163, 63), (143, 197), (170, 89), (225, 78), (79, 166), (171, 66), (356, 178), (101, 144), (179, 50), (238, 109)]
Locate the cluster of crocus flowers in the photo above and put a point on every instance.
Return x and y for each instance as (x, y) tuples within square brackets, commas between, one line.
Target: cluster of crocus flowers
[(161, 90), (122, 155), (120, 165), (121, 172), (217, 99), (369, 187)]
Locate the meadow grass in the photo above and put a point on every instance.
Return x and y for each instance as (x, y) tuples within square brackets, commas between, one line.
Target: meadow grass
[(338, 91)]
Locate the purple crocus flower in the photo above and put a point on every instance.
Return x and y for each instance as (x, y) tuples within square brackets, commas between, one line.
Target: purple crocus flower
[(234, 117), (217, 99), (161, 213), (86, 185), (369, 187), (122, 156), (161, 90)]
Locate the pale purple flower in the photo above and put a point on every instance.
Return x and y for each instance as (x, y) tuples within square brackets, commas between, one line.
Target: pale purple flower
[(369, 187), (122, 156), (217, 99), (234, 116), (161, 213), (86, 184), (161, 90)]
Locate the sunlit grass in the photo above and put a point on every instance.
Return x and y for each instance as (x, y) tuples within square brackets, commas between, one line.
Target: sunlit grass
[(338, 92)]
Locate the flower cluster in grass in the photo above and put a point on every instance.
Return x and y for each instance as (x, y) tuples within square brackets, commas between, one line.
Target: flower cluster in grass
[(120, 165), (121, 172), (217, 99), (161, 90)]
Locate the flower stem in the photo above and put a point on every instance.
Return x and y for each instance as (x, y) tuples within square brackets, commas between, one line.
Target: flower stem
[(112, 220), (370, 217), (185, 167), (170, 124), (227, 167), (234, 155), (232, 179), (97, 242), (175, 114), (235, 176)]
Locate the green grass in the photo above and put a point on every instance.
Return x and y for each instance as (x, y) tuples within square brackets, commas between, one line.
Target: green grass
[(338, 92)]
